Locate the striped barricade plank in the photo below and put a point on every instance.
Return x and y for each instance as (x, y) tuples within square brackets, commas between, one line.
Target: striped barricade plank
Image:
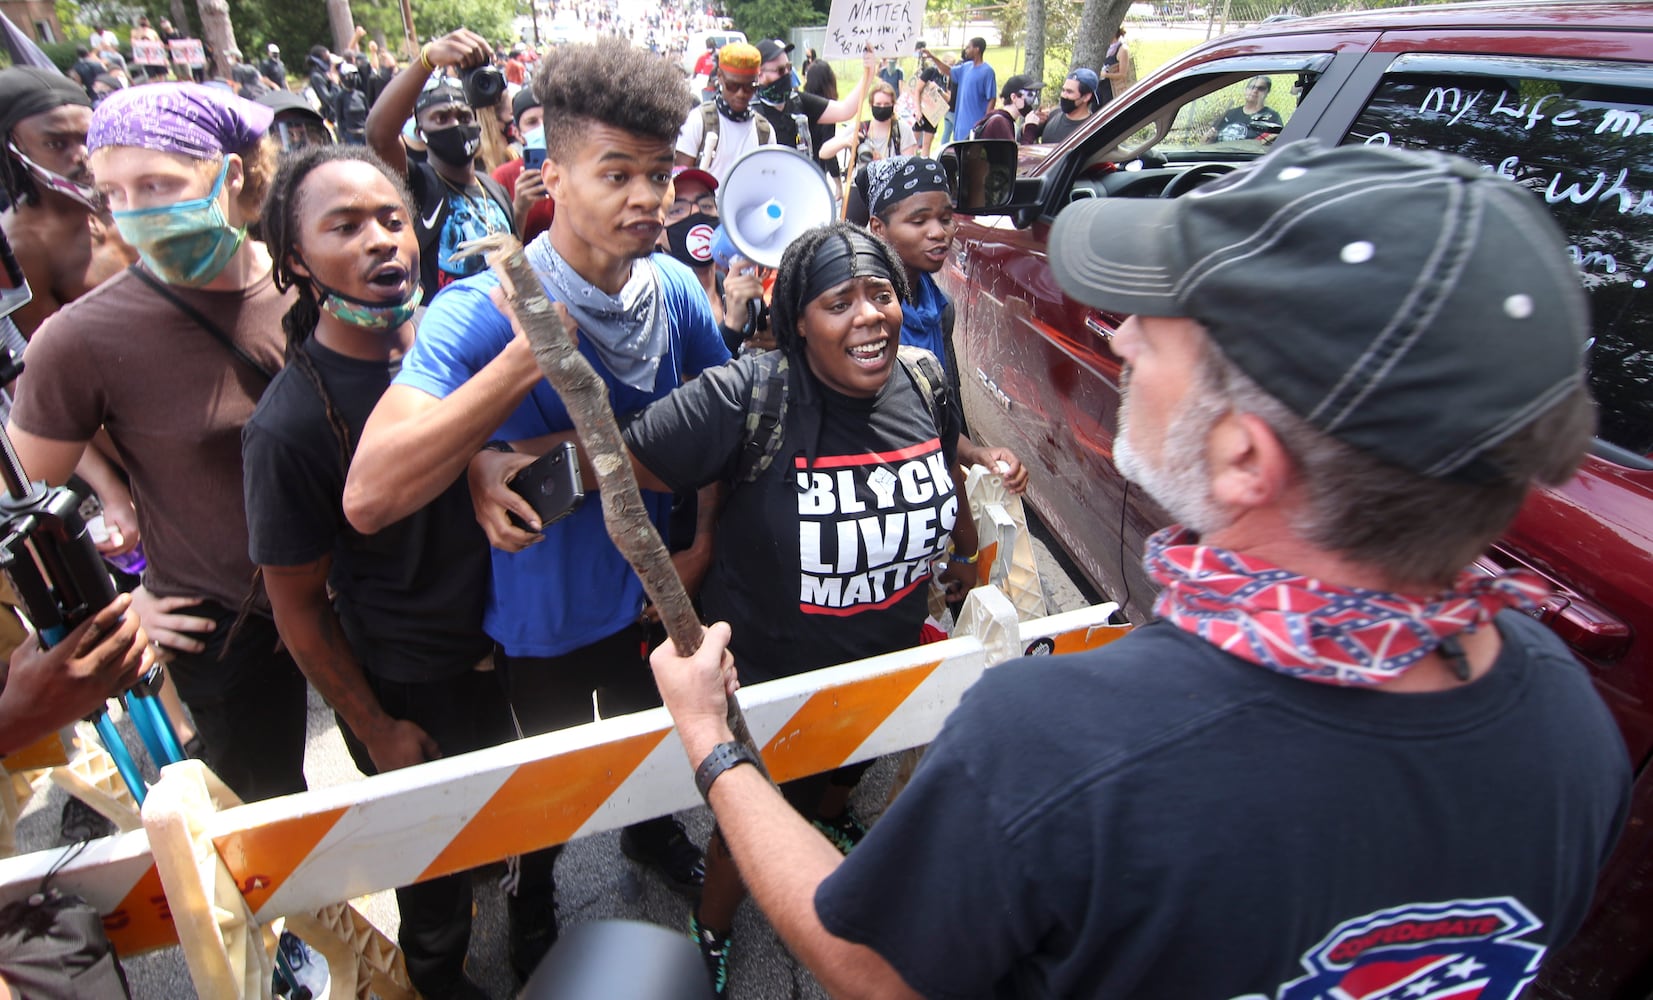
[(303, 852)]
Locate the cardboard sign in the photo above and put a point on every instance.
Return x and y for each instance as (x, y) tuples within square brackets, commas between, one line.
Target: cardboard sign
[(933, 102), (188, 52), (149, 53), (889, 26)]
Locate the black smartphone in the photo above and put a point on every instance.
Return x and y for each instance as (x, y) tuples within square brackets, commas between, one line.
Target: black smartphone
[(551, 485), (533, 157)]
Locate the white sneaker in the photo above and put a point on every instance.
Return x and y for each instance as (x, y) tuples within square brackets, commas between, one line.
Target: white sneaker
[(310, 977)]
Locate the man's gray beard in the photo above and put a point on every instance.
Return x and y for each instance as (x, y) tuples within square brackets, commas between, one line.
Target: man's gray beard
[(1182, 483)]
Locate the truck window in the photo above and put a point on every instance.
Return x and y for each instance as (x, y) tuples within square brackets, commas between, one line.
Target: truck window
[(1581, 143)]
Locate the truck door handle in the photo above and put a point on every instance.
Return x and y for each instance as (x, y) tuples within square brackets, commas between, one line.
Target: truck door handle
[(1093, 323), (1583, 625)]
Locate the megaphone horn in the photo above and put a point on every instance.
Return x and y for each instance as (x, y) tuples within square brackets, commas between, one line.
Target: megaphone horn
[(769, 197)]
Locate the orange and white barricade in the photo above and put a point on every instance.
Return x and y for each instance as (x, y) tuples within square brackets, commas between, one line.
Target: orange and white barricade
[(301, 855)]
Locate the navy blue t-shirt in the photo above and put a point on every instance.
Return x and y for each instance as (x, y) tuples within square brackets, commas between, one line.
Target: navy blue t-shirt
[(574, 587), (1160, 819)]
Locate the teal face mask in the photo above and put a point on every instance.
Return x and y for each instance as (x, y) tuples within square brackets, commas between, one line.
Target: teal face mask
[(186, 244), (368, 315)]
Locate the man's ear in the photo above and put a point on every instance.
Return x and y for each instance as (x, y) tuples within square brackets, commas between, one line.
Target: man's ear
[(1250, 468), (553, 173), (236, 176), (296, 262), (875, 226)]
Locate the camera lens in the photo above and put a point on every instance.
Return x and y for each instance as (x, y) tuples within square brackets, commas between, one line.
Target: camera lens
[(484, 86)]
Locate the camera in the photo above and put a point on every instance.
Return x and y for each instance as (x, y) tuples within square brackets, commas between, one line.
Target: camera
[(484, 85)]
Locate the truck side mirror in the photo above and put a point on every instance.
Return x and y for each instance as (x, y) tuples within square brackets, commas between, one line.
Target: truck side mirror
[(983, 175)]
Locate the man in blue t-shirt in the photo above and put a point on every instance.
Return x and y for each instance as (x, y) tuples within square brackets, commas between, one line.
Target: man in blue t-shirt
[(975, 87), (565, 608)]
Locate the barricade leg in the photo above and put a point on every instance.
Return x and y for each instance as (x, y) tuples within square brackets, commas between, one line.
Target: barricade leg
[(93, 778), (228, 954)]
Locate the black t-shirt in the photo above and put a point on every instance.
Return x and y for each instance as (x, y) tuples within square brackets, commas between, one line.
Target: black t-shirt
[(411, 596), (1160, 819), (811, 106), (246, 77), (825, 558), (1059, 127), (446, 217), (1238, 124), (88, 70)]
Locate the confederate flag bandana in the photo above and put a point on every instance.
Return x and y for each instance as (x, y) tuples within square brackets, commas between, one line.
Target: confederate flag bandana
[(1312, 630)]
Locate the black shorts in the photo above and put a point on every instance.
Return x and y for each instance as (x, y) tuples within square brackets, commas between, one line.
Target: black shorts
[(923, 125)]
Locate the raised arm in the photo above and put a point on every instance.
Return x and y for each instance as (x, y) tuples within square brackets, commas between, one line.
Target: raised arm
[(461, 49), (848, 106)]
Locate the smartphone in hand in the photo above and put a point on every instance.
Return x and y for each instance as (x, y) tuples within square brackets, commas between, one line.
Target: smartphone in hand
[(551, 485), (533, 157)]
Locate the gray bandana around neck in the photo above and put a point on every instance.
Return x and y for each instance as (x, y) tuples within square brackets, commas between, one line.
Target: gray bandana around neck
[(629, 330)]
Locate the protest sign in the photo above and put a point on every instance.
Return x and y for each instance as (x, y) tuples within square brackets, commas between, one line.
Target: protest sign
[(188, 52), (148, 53), (889, 26)]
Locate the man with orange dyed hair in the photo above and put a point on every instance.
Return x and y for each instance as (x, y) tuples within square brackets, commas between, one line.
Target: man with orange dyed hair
[(717, 132)]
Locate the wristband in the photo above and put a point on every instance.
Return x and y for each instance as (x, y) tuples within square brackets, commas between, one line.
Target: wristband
[(969, 560), (722, 758), (424, 58), (497, 445)]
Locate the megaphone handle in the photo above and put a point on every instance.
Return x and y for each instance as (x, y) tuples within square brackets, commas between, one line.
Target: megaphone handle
[(753, 310)]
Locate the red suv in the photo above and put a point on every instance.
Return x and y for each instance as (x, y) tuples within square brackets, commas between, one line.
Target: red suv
[(1558, 96)]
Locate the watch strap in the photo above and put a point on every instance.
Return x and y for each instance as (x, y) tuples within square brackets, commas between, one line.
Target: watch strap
[(722, 758), (497, 445)]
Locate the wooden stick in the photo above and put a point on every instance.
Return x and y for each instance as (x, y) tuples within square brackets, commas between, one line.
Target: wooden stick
[(585, 394)]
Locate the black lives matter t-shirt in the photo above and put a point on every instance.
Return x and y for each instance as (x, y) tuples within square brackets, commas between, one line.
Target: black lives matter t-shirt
[(826, 557), (410, 597)]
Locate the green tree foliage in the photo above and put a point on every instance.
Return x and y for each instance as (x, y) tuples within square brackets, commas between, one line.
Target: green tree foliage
[(773, 18)]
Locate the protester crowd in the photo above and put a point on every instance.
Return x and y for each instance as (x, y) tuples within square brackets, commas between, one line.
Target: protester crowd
[(258, 338)]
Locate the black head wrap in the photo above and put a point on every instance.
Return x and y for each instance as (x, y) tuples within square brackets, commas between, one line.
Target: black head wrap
[(895, 179), (856, 255), (26, 91)]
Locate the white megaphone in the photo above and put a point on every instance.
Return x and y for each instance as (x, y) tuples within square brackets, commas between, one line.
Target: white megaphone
[(770, 196)]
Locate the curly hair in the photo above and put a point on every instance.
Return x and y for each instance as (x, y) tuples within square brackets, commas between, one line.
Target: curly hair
[(608, 82), (787, 303)]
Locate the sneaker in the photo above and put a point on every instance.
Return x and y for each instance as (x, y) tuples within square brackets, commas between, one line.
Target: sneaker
[(844, 830), (301, 972), (79, 822), (714, 951), (674, 856)]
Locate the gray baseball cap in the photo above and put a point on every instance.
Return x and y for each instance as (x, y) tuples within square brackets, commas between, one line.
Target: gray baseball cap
[(1411, 304)]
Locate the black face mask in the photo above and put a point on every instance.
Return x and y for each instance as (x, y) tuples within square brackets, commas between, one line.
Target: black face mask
[(1068, 104), (882, 114), (455, 144), (776, 93), (691, 247)]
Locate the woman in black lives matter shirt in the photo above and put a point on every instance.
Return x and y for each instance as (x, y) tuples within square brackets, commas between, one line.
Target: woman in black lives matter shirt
[(825, 556)]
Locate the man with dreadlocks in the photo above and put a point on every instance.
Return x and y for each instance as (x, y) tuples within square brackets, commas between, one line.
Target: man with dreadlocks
[(564, 606), (59, 228), (398, 648)]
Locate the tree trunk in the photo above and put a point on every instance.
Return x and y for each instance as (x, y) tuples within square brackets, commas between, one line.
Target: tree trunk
[(585, 396), (342, 24), (180, 16), (1035, 50), (218, 32), (1098, 21)]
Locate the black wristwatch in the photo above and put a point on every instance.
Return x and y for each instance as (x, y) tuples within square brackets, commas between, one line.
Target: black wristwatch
[(498, 446), (722, 758)]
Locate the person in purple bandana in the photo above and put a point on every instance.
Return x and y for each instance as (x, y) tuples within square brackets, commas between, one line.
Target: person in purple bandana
[(1338, 763), (169, 357)]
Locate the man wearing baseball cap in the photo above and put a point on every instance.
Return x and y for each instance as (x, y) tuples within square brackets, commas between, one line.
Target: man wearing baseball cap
[(781, 102), (1338, 757), (1079, 102), (1010, 121)]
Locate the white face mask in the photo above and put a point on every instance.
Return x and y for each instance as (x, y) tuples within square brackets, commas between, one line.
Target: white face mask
[(57, 182)]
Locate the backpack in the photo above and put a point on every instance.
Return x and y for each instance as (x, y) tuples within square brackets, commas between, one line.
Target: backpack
[(709, 118), (766, 407), (981, 126), (433, 205)]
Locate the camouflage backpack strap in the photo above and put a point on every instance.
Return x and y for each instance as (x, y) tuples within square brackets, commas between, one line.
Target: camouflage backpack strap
[(765, 416), (709, 119), (766, 131), (931, 381)]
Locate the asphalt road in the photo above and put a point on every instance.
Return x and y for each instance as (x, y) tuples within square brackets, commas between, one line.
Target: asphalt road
[(594, 880)]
